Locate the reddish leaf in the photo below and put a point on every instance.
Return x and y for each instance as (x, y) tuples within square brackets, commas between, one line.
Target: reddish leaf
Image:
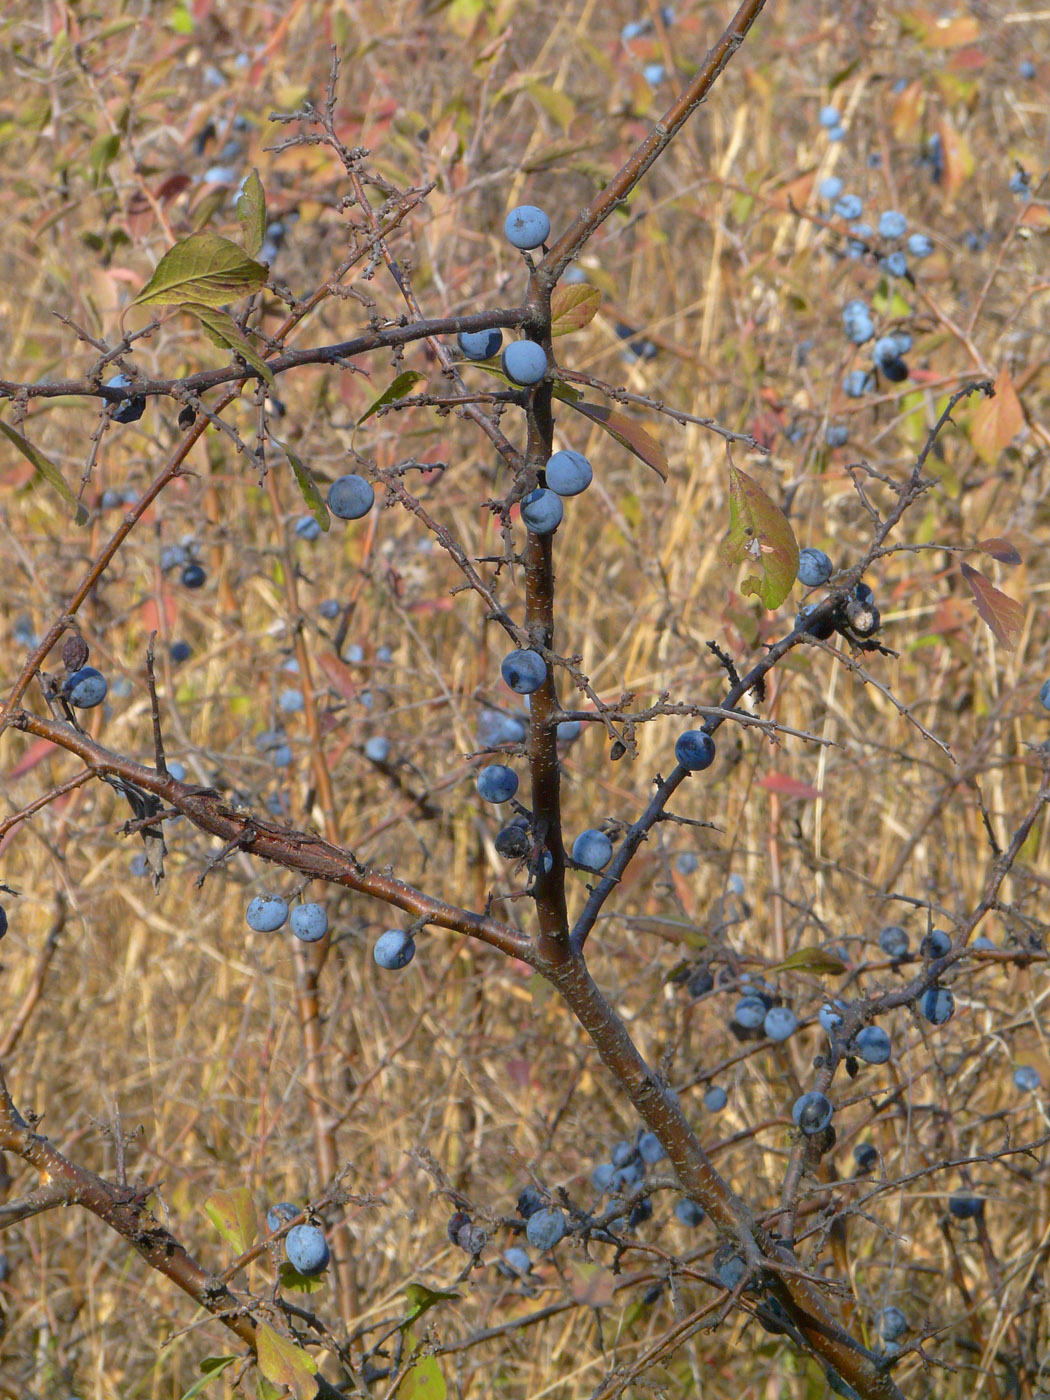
[(573, 307), (628, 434), (784, 786), (1002, 613), (1000, 549), (958, 157), (997, 421)]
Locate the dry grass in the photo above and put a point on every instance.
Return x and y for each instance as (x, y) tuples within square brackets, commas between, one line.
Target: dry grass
[(169, 1012)]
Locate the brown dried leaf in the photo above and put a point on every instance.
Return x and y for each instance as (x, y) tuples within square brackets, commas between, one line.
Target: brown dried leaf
[(1002, 613)]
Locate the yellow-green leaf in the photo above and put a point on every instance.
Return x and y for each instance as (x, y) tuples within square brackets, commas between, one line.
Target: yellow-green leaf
[(282, 1362), (402, 385), (573, 307), (203, 268), (311, 494), (760, 536), (222, 330), (997, 421), (421, 1299), (628, 434), (233, 1215), (47, 470), (292, 1281), (211, 1366), (423, 1381), (810, 960), (251, 211), (557, 105), (1003, 614)]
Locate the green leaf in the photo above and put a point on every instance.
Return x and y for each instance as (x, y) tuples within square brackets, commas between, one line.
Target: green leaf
[(282, 1362), (292, 1281), (47, 470), (212, 1366), (573, 307), (311, 495), (101, 155), (423, 1381), (251, 211), (558, 105), (759, 535), (811, 960), (203, 268), (566, 393), (233, 1215), (401, 386), (222, 330), (628, 434), (421, 1299)]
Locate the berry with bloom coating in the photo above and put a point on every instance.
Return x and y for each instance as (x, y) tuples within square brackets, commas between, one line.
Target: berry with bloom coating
[(830, 117), (525, 362), (524, 670), (896, 264), (937, 1005), (965, 1207), (127, 410), (695, 750), (377, 749), (814, 567), (517, 1260), (480, 345), (689, 1212), (541, 511), (893, 941), (545, 1228), (307, 1250), (857, 383), (309, 922), (394, 949), (936, 944), (278, 1214), (350, 497), (86, 688), (891, 1323), (780, 1023), (1044, 695), (592, 849), (919, 245), (892, 224), (527, 227), (872, 1045), (812, 1112), (497, 783), (830, 188), (750, 1012), (1026, 1078), (568, 473), (715, 1098), (865, 1154), (650, 1149), (266, 913), (307, 528), (848, 206), (857, 319)]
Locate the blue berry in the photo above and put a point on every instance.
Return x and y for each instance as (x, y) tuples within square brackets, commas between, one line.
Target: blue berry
[(377, 748), (307, 528), (812, 1112), (623, 1153), (729, 1266), (127, 410), (290, 701), (688, 1212), (634, 30), (173, 556), (837, 435), (569, 730), (891, 1323), (329, 609), (1027, 1079), (715, 1098), (688, 863), (350, 497), (857, 383), (937, 1005), (981, 944), (86, 688), (650, 1149), (179, 652), (525, 362), (830, 188), (527, 227), (1026, 69), (856, 246), (545, 1228), (750, 1012), (654, 74), (394, 949), (848, 206), (176, 770), (592, 849), (829, 1017), (1019, 182), (307, 1250), (1044, 695), (480, 345), (830, 117), (193, 576), (893, 941), (602, 1176), (919, 246), (857, 319), (568, 473), (695, 750), (280, 1214), (524, 670), (138, 865), (780, 1023), (354, 654), (865, 1154), (896, 264), (541, 511), (266, 913), (529, 1202), (892, 224), (806, 621), (497, 783), (836, 133), (309, 922), (965, 1207), (814, 567), (496, 727), (936, 944), (872, 1045), (517, 1260)]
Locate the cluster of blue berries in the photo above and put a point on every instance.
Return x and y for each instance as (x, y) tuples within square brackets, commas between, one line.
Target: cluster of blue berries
[(305, 1246), (267, 913)]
